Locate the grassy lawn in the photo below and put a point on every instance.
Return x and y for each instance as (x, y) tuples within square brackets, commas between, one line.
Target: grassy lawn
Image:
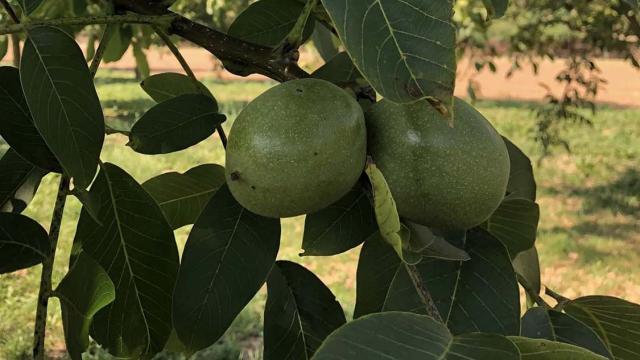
[(589, 238)]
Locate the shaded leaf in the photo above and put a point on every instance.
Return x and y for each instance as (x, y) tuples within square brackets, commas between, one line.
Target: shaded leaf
[(541, 323), (136, 247), (515, 224), (522, 183), (182, 197), (436, 246), (166, 86), (339, 227), (300, 313), (175, 125), (268, 22), (63, 101), (325, 42), (527, 266), (17, 127), (30, 6), (480, 294), (635, 4), (616, 321), (19, 182), (84, 291), (226, 260), (142, 63), (496, 8), (119, 42), (405, 336), (338, 70), (23, 243), (406, 49), (540, 349)]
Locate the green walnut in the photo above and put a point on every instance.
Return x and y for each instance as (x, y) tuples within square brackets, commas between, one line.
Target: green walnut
[(446, 177), (296, 149)]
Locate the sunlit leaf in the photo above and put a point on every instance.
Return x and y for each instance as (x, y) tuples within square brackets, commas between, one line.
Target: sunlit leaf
[(63, 101), (84, 291), (406, 49), (136, 247), (300, 313), (23, 243), (405, 336), (522, 183), (182, 197), (226, 260)]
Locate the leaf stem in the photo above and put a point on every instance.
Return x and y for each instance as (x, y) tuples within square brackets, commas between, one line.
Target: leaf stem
[(102, 48), (47, 270), (532, 293), (160, 20), (423, 292), (10, 11), (187, 69), (296, 36), (557, 297)]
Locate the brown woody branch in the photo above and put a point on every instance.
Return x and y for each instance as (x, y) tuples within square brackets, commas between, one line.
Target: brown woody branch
[(240, 57)]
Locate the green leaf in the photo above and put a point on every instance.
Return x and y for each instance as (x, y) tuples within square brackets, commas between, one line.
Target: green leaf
[(436, 246), (515, 224), (391, 230), (166, 86), (616, 321), (541, 323), (339, 227), (496, 8), (338, 70), (17, 127), (30, 6), (226, 260), (540, 349), (23, 243), (175, 125), (182, 197), (527, 266), (522, 183), (63, 101), (405, 336), (484, 288), (300, 313), (136, 247), (268, 22), (85, 290), (325, 42), (406, 49), (119, 42), (19, 182), (142, 63), (635, 4)]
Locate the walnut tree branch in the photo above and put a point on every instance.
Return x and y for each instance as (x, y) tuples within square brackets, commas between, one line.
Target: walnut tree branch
[(241, 57)]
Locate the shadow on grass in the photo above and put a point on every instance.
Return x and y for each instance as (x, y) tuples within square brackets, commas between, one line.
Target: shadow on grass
[(620, 196)]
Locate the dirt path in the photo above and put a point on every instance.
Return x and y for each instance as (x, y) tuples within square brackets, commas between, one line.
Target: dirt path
[(623, 86)]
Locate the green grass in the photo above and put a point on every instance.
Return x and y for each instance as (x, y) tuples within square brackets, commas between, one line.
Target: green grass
[(589, 238)]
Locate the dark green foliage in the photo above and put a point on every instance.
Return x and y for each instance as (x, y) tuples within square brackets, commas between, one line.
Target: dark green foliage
[(23, 242)]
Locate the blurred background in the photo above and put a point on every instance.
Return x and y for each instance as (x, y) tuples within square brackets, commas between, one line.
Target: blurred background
[(560, 78)]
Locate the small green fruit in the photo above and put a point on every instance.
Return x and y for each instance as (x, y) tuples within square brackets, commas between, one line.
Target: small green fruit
[(296, 149), (450, 178)]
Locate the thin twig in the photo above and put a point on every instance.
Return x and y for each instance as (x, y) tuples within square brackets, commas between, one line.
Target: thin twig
[(532, 293), (102, 47), (185, 65), (91, 20), (557, 297), (10, 11), (423, 292), (47, 269)]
